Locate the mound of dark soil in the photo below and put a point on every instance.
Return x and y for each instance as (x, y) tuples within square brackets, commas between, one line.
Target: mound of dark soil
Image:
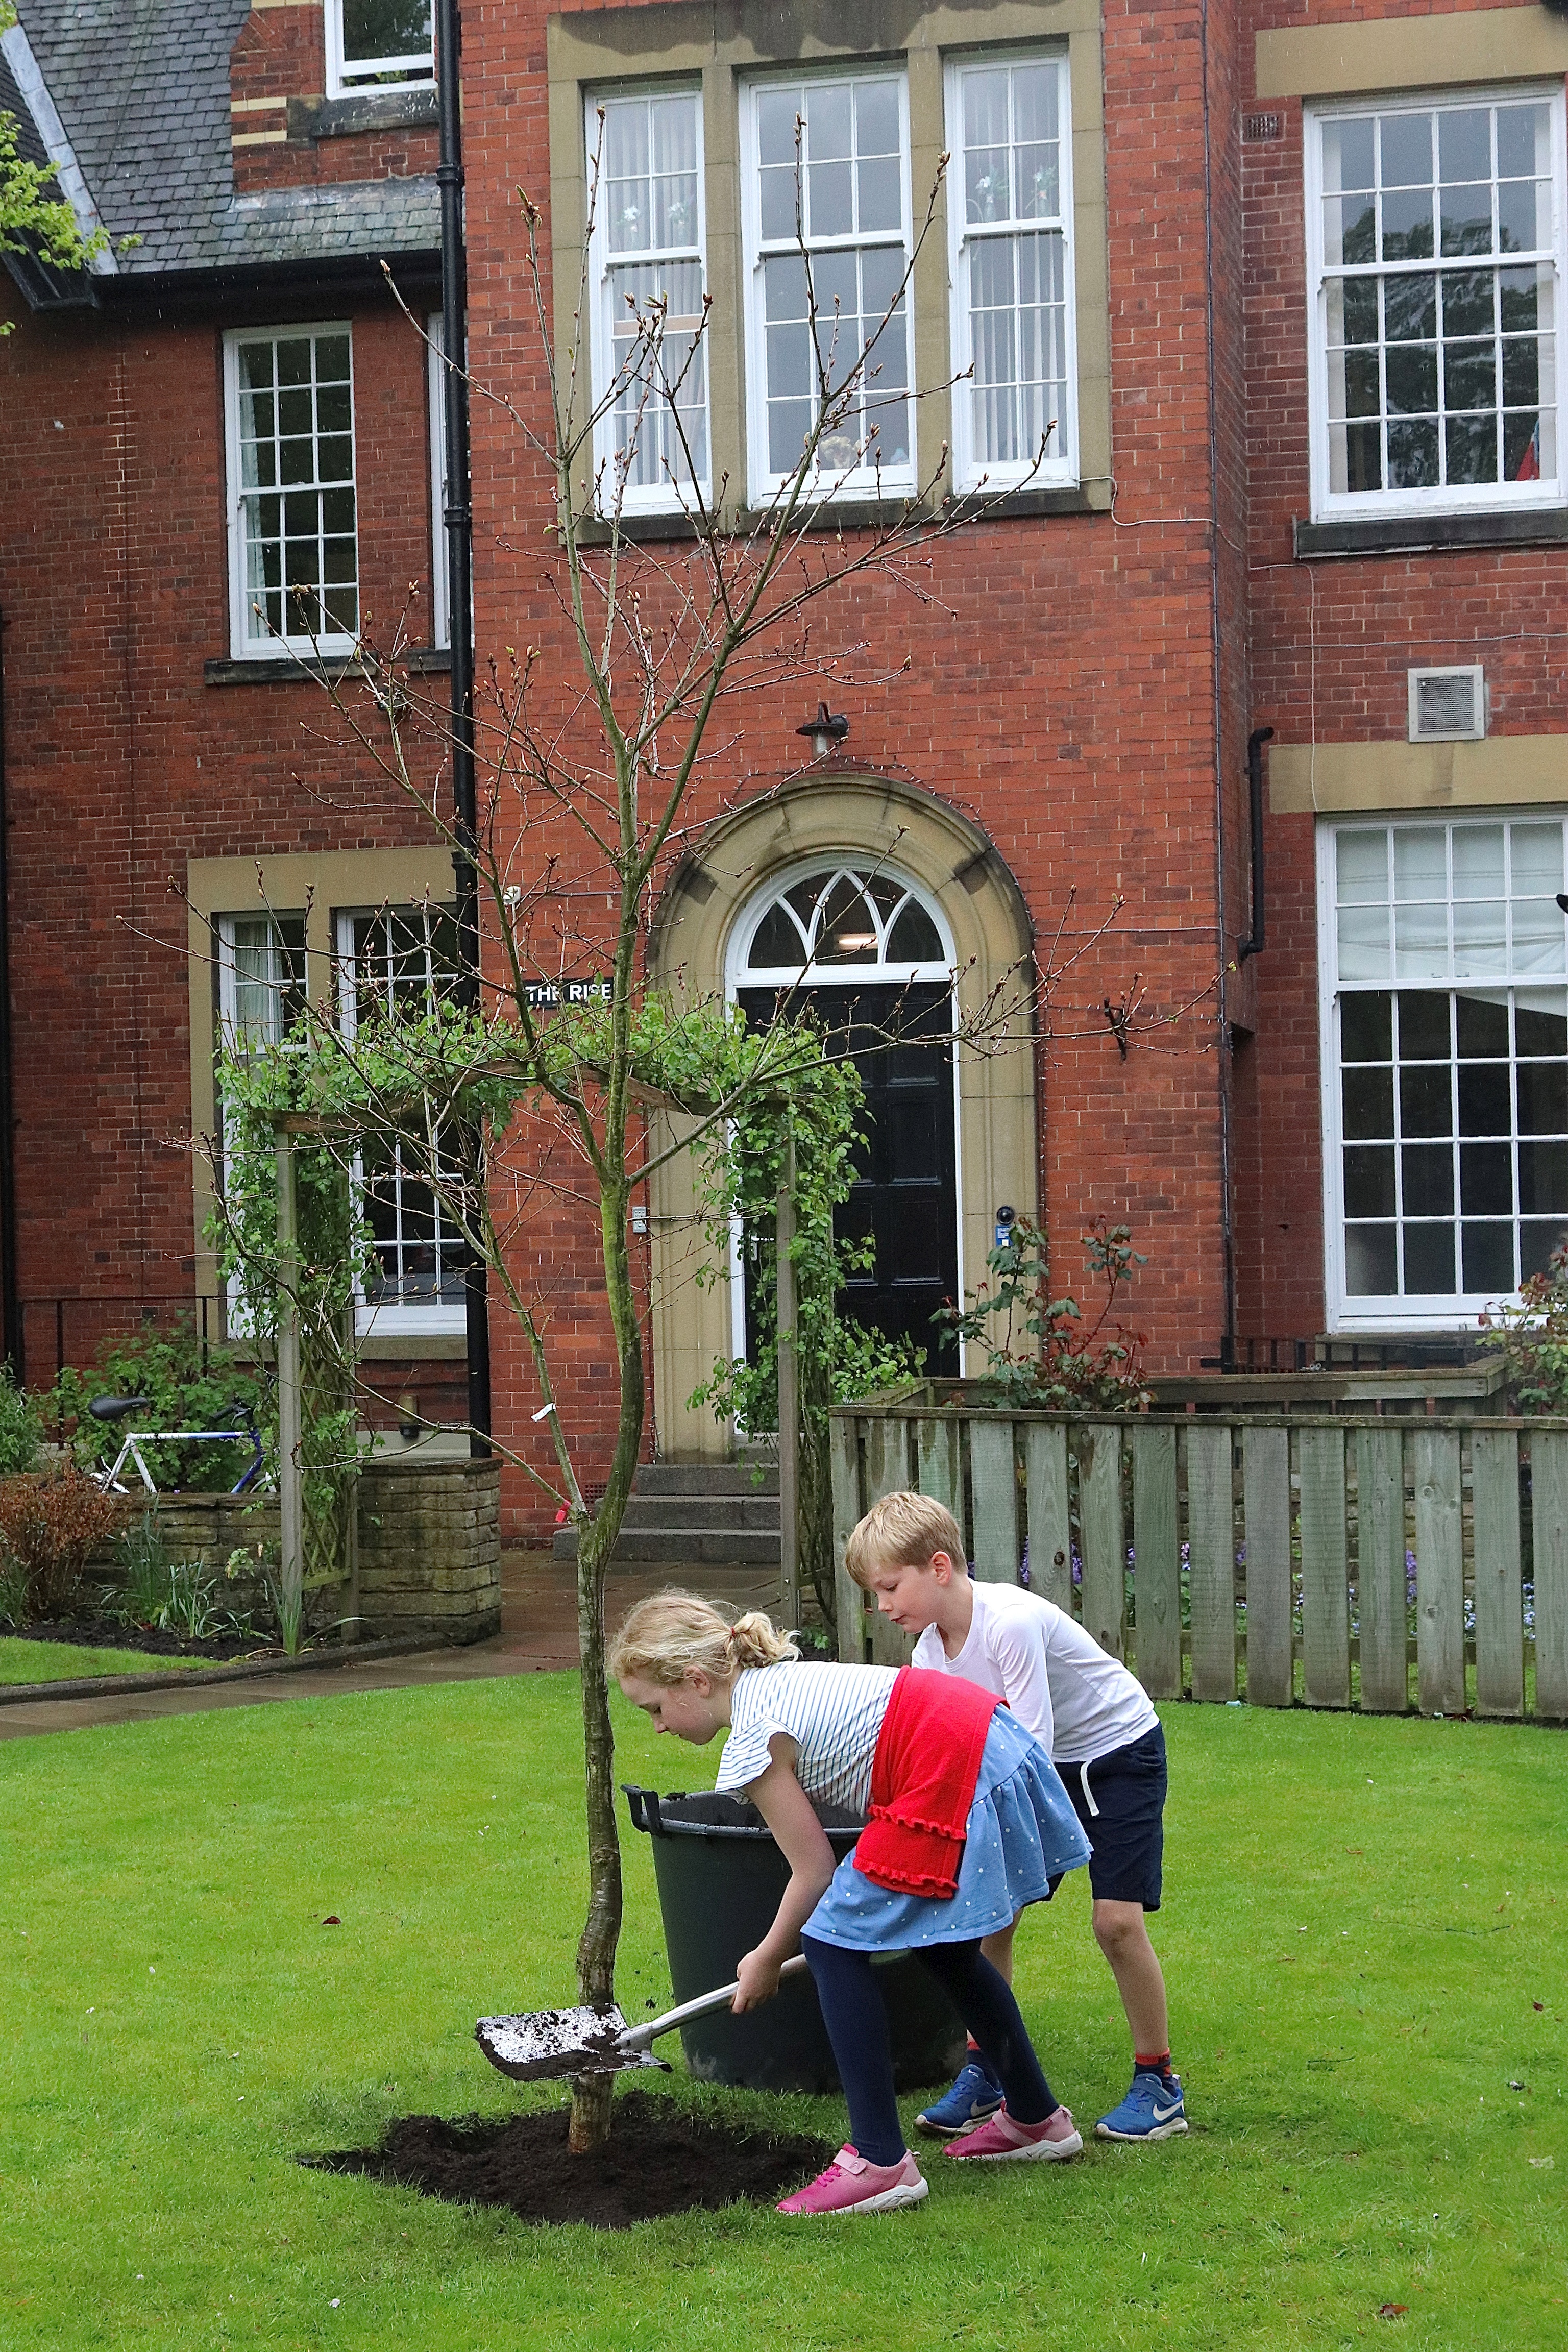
[(108, 1633), (657, 2160)]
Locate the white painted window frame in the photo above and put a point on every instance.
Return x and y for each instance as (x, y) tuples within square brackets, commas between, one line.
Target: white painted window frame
[(738, 975), (242, 645), (647, 499), (434, 1316), (1328, 505), (236, 1318), (865, 481), (1365, 1313), (362, 78), (1059, 472)]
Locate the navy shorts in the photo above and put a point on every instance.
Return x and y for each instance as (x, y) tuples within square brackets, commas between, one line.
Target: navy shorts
[(1120, 1800)]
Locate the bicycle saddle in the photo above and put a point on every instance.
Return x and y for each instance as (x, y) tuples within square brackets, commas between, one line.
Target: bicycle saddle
[(107, 1408)]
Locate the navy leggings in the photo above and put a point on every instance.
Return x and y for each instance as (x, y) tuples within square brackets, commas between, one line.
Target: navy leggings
[(857, 2023)]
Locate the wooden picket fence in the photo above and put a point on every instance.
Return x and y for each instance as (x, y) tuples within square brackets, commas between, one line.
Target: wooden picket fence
[(1315, 1559)]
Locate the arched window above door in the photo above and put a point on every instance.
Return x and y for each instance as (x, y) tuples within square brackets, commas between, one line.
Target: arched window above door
[(837, 918)]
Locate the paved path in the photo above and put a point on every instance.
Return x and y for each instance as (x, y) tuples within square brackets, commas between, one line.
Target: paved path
[(538, 1635)]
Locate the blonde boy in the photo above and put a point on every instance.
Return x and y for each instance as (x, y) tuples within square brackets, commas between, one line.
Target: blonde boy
[(1103, 1736)]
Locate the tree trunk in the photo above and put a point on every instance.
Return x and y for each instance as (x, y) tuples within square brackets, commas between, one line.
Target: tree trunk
[(591, 2093)]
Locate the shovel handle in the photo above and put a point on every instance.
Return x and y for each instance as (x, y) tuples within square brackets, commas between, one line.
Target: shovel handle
[(637, 2037)]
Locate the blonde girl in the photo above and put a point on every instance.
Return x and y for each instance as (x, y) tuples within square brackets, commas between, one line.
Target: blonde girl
[(802, 1734)]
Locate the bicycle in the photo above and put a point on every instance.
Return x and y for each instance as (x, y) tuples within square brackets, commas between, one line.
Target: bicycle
[(112, 1411)]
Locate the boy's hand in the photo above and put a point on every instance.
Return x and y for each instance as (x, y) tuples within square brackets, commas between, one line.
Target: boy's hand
[(757, 1981)]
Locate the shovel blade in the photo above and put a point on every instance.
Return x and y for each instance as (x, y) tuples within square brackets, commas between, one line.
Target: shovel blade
[(542, 2044)]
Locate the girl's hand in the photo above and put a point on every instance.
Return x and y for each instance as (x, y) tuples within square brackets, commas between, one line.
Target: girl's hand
[(757, 1981)]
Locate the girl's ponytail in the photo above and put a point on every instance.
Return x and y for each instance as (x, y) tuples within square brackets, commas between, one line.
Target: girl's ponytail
[(670, 1632), (755, 1641)]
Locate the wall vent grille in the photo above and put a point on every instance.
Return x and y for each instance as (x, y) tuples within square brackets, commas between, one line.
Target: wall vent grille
[(1449, 706)]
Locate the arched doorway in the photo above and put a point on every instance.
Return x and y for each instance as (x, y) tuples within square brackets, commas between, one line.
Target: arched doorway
[(862, 948), (871, 824)]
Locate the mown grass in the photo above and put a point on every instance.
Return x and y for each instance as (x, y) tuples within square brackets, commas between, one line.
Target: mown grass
[(22, 1661), (1363, 1935)]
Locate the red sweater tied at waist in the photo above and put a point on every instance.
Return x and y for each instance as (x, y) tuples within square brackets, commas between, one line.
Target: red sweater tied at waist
[(922, 1783)]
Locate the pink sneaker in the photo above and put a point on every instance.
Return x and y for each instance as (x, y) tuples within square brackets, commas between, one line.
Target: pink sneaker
[(1000, 2139), (850, 2185)]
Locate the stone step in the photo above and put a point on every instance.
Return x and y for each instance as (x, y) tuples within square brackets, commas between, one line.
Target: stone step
[(674, 1548), (704, 1478), (737, 1511)]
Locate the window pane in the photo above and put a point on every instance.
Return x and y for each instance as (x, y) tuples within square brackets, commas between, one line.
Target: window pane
[(1541, 1021), (1487, 1251), (383, 30), (1369, 1181), (1426, 1101), (1363, 942), (1429, 1260), (1427, 1180), (1420, 942), (1486, 1179), (913, 938), (1542, 1090), (1537, 1241), (1483, 1098), (1368, 1102), (777, 943), (1366, 1032), (1361, 861), (1372, 1260), (1482, 1027)]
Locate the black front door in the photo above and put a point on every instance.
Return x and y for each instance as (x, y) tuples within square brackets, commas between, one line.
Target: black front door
[(905, 1196)]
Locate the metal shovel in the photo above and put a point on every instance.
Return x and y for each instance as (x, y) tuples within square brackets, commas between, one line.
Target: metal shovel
[(545, 2042)]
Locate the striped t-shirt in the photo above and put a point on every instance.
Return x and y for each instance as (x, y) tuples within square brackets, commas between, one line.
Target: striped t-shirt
[(834, 1715)]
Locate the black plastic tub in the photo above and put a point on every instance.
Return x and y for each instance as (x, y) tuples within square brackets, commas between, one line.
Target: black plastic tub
[(719, 1877)]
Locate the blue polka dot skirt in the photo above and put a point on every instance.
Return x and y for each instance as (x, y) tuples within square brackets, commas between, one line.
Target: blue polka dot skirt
[(1021, 1833)]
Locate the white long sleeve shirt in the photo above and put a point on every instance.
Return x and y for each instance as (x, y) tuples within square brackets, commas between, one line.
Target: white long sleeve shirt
[(1078, 1703)]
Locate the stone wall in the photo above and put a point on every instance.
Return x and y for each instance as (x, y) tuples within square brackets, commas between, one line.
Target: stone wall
[(430, 1548)]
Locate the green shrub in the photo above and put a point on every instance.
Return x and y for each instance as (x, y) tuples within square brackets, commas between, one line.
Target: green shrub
[(1533, 1338), (19, 1432)]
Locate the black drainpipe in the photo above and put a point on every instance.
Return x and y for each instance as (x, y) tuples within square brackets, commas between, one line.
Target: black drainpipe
[(10, 1305), (1255, 743), (459, 521)]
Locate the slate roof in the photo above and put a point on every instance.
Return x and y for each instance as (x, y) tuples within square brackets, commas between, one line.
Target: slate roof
[(29, 146), (142, 91)]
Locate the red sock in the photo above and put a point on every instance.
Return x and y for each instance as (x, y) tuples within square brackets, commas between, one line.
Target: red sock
[(1159, 2065)]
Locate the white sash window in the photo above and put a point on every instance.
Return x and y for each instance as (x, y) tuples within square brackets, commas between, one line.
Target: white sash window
[(1444, 1027)]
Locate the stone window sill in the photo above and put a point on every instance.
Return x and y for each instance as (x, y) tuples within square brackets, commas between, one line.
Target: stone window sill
[(1003, 505), (420, 661), (340, 118), (1429, 534)]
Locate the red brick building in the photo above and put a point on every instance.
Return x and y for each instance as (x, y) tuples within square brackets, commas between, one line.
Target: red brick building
[(1278, 284)]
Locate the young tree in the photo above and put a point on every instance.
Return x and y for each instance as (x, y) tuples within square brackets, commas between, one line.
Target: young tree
[(590, 787)]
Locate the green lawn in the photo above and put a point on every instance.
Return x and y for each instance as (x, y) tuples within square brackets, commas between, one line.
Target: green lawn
[(60, 1662), (1362, 1919)]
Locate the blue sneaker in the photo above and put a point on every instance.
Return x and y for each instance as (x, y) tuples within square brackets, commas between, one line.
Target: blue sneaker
[(1152, 2109), (974, 2095)]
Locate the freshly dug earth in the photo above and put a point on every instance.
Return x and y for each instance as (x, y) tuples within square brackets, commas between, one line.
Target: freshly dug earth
[(657, 2160)]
